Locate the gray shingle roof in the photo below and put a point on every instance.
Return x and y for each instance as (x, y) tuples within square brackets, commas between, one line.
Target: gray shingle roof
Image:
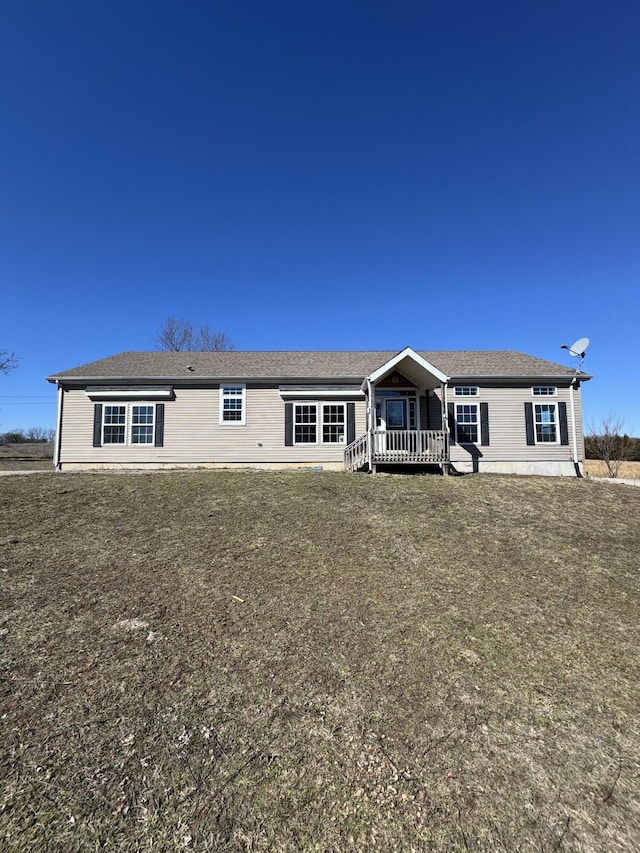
[(306, 365)]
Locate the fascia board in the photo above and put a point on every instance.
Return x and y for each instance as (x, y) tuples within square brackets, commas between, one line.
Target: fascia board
[(537, 377), (195, 379)]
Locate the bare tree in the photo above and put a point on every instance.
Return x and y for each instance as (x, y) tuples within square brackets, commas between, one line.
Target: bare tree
[(8, 361), (178, 335), (209, 341), (175, 335), (606, 442), (37, 434)]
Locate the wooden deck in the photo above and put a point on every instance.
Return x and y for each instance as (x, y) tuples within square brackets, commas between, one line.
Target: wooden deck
[(397, 447)]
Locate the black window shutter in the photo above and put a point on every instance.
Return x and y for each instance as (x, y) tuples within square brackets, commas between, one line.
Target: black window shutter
[(528, 419), (452, 422), (97, 425), (351, 422), (288, 424), (564, 432), (159, 430), (484, 424)]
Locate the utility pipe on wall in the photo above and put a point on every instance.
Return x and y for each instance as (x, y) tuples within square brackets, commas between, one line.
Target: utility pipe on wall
[(574, 434), (370, 424), (56, 447)]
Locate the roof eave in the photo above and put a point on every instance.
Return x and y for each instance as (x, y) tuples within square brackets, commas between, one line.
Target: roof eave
[(192, 377), (530, 377)]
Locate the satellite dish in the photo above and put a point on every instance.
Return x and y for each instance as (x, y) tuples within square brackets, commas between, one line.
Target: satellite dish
[(579, 348)]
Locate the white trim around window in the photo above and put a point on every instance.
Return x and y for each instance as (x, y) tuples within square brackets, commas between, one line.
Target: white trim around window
[(546, 427), (233, 404), (544, 391), (466, 391), (467, 423), (320, 423), (128, 424)]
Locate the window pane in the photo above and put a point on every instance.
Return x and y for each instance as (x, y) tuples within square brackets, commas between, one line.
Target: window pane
[(396, 414), (232, 403), (114, 414), (114, 423), (546, 423), (305, 430), (142, 424), (142, 415), (333, 424), (113, 435), (413, 420), (142, 435), (467, 424)]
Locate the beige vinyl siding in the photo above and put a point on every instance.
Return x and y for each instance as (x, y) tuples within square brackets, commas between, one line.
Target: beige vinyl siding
[(507, 428), (193, 434)]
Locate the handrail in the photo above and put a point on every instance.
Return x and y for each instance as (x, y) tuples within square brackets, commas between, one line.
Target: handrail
[(355, 454), (426, 446)]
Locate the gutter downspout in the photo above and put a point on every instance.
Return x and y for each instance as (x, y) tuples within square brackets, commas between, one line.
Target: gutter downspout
[(57, 445), (574, 435)]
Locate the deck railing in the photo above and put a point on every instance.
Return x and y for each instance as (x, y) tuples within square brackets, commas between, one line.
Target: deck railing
[(425, 446), (356, 454)]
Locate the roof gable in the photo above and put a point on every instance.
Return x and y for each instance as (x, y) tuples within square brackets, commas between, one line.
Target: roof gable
[(412, 365)]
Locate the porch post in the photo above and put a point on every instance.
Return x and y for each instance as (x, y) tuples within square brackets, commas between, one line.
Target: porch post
[(445, 424), (371, 417)]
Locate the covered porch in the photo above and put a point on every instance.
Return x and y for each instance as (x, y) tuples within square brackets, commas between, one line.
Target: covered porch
[(397, 447), (400, 408)]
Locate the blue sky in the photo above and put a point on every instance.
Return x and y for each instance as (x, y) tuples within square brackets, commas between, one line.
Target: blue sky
[(343, 174)]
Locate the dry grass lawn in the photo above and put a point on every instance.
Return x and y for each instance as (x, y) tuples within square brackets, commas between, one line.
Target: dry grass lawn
[(597, 468), (311, 661), (26, 456)]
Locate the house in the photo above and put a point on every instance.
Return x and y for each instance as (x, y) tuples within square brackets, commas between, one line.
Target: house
[(463, 411)]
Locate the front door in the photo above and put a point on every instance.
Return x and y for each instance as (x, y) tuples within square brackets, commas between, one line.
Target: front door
[(391, 415), (396, 414)]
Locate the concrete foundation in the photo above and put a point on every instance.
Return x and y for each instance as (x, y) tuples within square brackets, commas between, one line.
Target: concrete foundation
[(541, 469)]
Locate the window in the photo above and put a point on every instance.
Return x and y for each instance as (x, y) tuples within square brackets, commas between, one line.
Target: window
[(320, 422), (305, 424), (544, 390), (133, 424), (232, 404), (546, 423), (333, 424), (142, 424), (466, 391), (467, 423), (115, 418)]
